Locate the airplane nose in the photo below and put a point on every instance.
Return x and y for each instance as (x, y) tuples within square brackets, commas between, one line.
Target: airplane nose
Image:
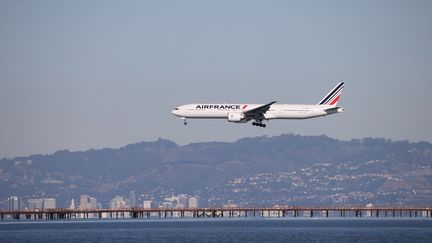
[(174, 112)]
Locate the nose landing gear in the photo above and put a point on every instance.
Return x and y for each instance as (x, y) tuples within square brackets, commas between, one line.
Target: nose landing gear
[(184, 121)]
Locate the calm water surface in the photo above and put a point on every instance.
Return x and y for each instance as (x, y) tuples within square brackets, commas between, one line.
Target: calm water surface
[(219, 230)]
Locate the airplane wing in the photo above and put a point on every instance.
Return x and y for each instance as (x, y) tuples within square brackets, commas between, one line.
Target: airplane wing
[(258, 112)]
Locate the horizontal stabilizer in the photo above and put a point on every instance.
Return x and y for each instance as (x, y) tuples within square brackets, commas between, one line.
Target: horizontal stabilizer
[(334, 110)]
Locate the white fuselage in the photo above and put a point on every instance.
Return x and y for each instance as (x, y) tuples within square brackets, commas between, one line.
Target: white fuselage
[(276, 111)]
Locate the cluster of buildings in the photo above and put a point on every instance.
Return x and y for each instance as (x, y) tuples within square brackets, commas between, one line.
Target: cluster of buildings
[(87, 202), (179, 201), (42, 203), (14, 203)]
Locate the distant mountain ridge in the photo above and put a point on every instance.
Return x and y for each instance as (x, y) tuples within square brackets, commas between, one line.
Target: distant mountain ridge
[(285, 169)]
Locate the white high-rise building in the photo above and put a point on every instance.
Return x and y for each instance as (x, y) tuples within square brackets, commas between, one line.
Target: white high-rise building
[(13, 203), (193, 202), (72, 204), (35, 203), (87, 202), (132, 199), (49, 203), (93, 202), (118, 202), (181, 201), (147, 204), (84, 202)]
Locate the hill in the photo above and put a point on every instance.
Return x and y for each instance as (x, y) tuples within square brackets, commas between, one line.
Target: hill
[(286, 169)]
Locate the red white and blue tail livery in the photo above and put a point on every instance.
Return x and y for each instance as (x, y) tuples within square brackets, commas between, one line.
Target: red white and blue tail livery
[(242, 113), (333, 96)]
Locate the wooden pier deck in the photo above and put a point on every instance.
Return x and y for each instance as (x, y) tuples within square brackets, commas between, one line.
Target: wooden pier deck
[(255, 212)]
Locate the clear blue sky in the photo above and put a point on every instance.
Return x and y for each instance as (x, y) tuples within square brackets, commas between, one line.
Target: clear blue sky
[(91, 74)]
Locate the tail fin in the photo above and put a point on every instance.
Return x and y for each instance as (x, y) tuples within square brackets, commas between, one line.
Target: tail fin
[(333, 96)]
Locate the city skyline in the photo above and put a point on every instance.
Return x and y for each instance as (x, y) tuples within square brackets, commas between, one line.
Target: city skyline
[(87, 202)]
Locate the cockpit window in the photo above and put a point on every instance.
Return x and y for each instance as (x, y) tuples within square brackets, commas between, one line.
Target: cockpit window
[(176, 108)]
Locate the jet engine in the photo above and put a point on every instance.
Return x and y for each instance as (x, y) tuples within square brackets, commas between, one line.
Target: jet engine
[(237, 117)]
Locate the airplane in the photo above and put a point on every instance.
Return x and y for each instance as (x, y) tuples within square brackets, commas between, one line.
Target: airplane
[(242, 113)]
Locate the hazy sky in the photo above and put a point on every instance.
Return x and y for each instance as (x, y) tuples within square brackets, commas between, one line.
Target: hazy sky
[(91, 74)]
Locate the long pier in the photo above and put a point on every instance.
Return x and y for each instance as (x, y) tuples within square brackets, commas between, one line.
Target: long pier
[(245, 212)]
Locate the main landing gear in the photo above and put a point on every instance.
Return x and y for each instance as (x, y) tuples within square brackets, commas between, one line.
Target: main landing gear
[(259, 124)]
